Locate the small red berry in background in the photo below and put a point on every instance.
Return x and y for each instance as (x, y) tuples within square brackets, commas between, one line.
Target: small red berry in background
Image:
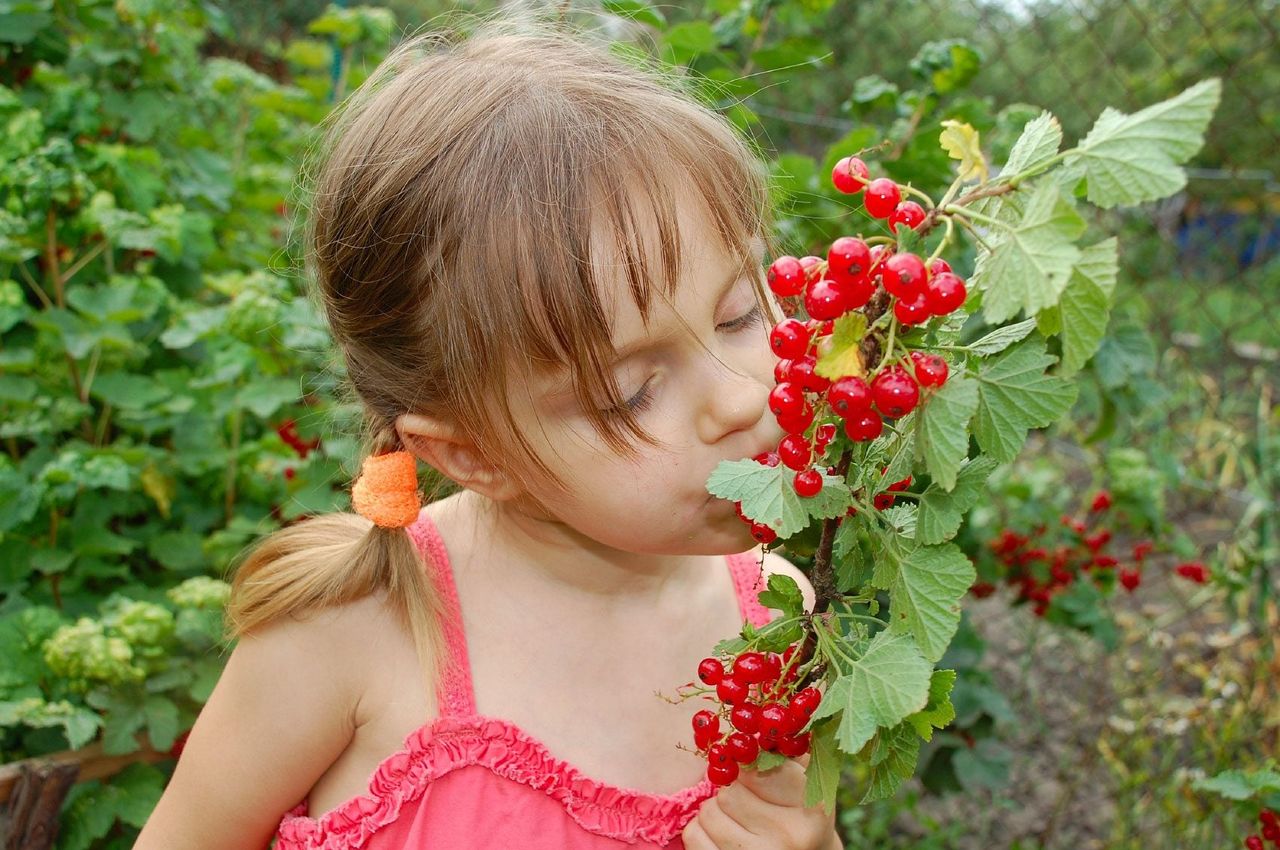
[(1130, 579), (1253, 842), (1101, 502), (1142, 549), (850, 175), (179, 744), (1194, 571), (882, 197), (907, 213)]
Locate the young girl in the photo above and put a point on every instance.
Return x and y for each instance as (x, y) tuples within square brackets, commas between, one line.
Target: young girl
[(543, 266)]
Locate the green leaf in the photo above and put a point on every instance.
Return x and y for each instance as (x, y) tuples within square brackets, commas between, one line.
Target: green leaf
[(783, 595), (939, 712), (889, 682), (1001, 338), (1081, 316), (1039, 142), (1129, 159), (267, 395), (942, 437), (1029, 265), (985, 765), (822, 776), (838, 353), (894, 754), (636, 10), (940, 512), (1015, 395), (128, 392), (925, 598), (768, 495), (1125, 353), (162, 722), (1239, 784)]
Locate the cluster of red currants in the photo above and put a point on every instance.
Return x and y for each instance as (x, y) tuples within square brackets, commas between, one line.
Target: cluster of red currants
[(852, 274), (288, 431), (1041, 570), (759, 709), (1270, 831)]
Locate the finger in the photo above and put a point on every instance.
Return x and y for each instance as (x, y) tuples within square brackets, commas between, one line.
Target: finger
[(725, 832), (746, 808), (695, 837), (782, 785)]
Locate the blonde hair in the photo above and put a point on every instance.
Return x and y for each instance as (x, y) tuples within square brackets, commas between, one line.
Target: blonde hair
[(455, 202)]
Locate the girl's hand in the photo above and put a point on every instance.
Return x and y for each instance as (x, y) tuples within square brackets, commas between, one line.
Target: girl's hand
[(763, 811)]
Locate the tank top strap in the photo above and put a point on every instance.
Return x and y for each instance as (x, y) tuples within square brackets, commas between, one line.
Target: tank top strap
[(747, 569), (455, 694)]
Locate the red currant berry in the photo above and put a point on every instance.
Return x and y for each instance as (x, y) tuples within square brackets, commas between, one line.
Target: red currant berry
[(796, 720), (849, 395), (824, 434), (882, 197), (718, 754), (858, 292), (824, 299), (768, 743), (789, 339), (731, 691), (938, 265), (749, 668), (710, 671), (802, 373), (911, 312), (773, 720), (931, 370), (743, 748), (850, 175), (883, 501), (786, 277), (786, 399), (807, 700), (798, 423), (722, 775), (781, 371), (795, 452), (944, 293), (849, 258), (762, 533), (1253, 842), (863, 426), (1269, 818), (745, 717), (737, 509), (767, 458), (706, 726), (907, 213), (895, 392), (794, 746), (899, 486), (808, 483), (904, 276), (772, 666), (810, 264)]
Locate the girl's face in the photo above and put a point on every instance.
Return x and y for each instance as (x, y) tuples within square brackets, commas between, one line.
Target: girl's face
[(705, 405)]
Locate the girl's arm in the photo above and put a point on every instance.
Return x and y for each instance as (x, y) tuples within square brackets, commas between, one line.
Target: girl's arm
[(280, 715)]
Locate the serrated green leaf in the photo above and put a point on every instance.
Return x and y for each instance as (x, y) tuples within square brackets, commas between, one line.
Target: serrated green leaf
[(939, 712), (1001, 338), (1015, 395), (768, 495), (1240, 784), (1041, 137), (838, 353), (822, 776), (894, 754), (942, 437), (940, 512), (1127, 351), (925, 598), (1029, 265), (1081, 316), (1129, 159), (889, 682), (783, 594)]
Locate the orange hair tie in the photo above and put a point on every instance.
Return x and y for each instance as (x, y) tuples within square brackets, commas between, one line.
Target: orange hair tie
[(387, 489)]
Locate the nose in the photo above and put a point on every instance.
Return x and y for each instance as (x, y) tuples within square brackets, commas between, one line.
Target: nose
[(734, 395)]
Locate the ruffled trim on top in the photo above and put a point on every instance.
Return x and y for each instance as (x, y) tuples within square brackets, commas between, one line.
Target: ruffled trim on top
[(450, 743)]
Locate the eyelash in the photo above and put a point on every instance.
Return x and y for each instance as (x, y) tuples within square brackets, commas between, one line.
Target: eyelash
[(640, 401)]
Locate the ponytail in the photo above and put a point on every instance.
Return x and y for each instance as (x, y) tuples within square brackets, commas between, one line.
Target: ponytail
[(333, 559)]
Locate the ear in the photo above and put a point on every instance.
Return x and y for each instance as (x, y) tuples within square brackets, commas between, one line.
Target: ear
[(446, 449)]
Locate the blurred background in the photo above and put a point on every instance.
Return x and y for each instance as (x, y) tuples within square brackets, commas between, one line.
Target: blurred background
[(168, 392)]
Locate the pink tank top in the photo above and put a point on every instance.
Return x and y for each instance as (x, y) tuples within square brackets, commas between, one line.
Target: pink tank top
[(469, 781)]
